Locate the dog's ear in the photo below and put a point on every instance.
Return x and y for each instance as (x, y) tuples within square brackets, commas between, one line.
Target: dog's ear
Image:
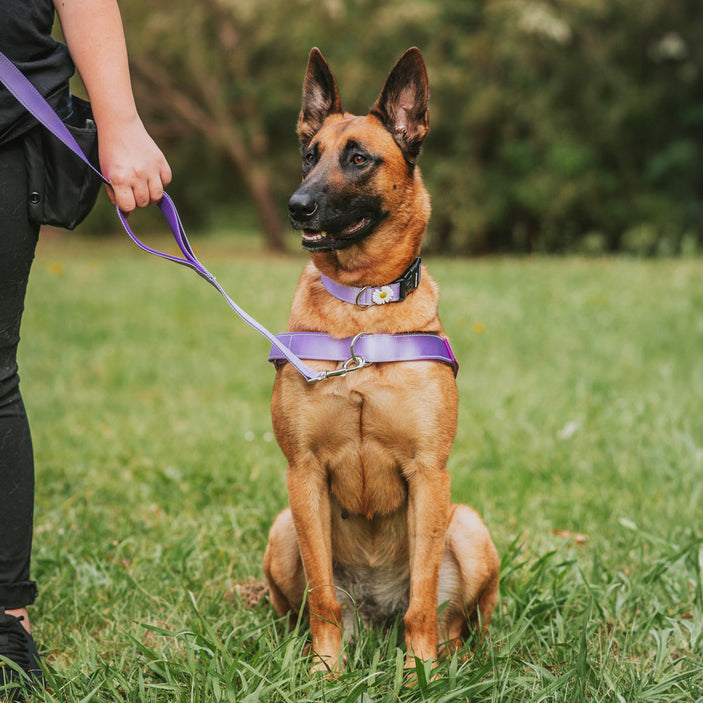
[(320, 97), (402, 104)]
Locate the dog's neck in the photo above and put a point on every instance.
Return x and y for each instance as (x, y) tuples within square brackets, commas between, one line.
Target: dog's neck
[(372, 262)]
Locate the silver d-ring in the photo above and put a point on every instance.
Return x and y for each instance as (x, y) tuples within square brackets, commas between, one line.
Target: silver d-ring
[(358, 295), (347, 367), (351, 346), (358, 360)]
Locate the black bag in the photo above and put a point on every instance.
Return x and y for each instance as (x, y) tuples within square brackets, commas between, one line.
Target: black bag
[(62, 188)]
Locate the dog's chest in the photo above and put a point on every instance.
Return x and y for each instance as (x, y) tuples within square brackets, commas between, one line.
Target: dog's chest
[(365, 450), (369, 432), (358, 433)]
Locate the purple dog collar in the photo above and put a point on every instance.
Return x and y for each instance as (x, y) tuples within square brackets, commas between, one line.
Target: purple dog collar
[(367, 296), (364, 349)]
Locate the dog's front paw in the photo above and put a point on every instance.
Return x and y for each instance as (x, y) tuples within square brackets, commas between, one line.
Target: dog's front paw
[(329, 666)]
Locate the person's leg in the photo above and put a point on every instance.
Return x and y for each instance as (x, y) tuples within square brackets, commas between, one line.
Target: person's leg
[(18, 238)]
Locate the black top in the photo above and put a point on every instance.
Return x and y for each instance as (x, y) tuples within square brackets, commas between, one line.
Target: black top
[(25, 38)]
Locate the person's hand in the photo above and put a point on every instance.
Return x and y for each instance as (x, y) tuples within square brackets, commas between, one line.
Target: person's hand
[(135, 166)]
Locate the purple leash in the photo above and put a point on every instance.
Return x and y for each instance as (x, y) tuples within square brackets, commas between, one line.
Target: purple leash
[(32, 100), (357, 352), (15, 81), (375, 348)]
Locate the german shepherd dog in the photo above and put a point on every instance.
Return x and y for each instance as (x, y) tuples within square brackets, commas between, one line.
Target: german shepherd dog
[(371, 533)]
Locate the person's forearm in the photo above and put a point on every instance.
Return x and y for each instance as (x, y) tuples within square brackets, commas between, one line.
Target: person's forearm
[(129, 158), (95, 38)]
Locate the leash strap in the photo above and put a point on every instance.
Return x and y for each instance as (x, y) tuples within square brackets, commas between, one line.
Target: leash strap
[(168, 210), (32, 100), (23, 90)]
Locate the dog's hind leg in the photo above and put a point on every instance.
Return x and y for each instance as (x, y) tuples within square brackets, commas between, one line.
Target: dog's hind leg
[(283, 566), (468, 578)]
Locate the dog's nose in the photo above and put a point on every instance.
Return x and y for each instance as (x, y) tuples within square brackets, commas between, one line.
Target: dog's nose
[(302, 207)]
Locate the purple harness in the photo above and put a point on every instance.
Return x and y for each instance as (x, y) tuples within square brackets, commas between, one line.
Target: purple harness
[(355, 353)]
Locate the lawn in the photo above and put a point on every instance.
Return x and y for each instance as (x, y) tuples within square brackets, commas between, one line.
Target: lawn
[(580, 441)]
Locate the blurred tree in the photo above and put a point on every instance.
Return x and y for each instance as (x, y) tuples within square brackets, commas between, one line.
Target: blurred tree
[(195, 70), (567, 122)]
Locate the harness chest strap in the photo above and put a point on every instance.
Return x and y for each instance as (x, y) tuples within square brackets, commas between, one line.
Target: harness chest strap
[(365, 349)]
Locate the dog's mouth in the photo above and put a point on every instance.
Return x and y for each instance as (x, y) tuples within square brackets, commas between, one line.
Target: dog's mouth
[(314, 240)]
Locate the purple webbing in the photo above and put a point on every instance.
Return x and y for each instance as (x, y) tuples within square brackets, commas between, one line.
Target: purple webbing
[(33, 101), (15, 81)]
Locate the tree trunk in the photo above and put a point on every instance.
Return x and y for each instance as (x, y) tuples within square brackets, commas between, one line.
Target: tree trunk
[(212, 122), (257, 184), (265, 204)]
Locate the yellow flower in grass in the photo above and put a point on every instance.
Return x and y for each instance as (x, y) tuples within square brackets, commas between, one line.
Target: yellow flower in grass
[(479, 327), (56, 267)]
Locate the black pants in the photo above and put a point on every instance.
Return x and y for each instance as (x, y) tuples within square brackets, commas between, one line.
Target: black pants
[(18, 239)]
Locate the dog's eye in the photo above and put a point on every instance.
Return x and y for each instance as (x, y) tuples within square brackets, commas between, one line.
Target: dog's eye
[(309, 159), (359, 159)]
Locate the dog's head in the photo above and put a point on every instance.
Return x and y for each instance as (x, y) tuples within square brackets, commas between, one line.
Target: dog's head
[(359, 172)]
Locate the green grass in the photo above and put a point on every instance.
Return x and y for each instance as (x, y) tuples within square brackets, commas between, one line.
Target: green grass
[(580, 442)]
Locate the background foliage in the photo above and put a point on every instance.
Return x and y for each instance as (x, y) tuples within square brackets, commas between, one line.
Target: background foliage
[(557, 125)]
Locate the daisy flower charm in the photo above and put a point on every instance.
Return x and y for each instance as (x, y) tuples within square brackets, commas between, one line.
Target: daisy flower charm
[(382, 295)]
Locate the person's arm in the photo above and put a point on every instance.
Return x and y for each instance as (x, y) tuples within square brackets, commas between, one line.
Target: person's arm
[(129, 157)]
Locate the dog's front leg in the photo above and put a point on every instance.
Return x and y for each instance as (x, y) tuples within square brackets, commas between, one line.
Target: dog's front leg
[(310, 505), (428, 507)]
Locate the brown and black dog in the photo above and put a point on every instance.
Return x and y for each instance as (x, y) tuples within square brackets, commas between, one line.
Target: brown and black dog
[(371, 533)]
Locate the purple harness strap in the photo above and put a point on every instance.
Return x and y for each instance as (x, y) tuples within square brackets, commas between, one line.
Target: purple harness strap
[(365, 349), (380, 348)]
